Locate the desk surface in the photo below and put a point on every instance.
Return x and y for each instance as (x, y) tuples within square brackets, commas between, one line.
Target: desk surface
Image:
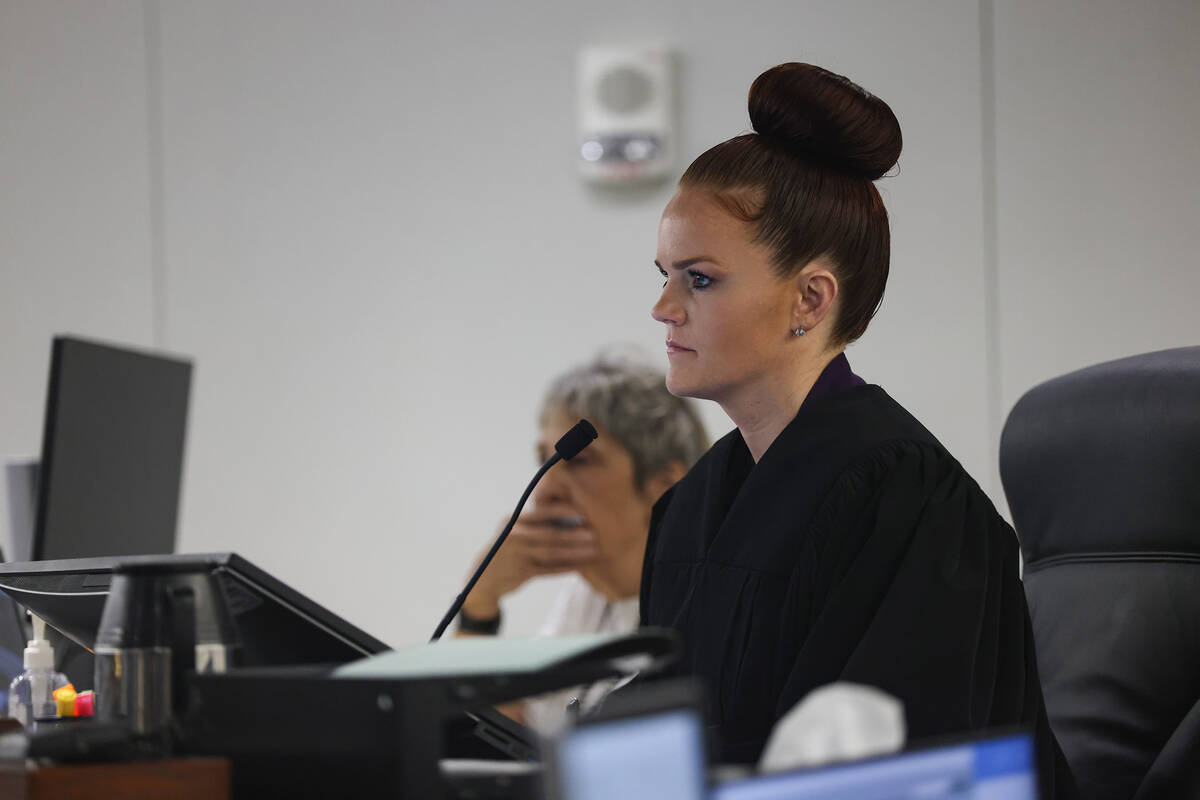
[(170, 779)]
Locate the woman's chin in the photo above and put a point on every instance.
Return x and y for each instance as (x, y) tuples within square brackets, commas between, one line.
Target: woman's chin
[(676, 384), (683, 385)]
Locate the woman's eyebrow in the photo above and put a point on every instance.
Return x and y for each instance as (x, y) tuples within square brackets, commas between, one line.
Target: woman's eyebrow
[(687, 262)]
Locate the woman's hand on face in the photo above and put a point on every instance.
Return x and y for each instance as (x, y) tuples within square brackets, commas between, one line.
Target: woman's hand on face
[(545, 541)]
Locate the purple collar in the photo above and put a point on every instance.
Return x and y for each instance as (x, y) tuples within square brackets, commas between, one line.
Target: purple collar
[(836, 377)]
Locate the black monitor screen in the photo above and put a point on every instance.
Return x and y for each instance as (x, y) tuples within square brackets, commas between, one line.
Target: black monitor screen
[(112, 452)]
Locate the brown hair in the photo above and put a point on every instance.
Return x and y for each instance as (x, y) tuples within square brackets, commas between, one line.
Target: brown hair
[(805, 180)]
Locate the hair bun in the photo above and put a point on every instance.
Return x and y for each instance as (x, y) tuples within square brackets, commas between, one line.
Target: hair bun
[(826, 117)]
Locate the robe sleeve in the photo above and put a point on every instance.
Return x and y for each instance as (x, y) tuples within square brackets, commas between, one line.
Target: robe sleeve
[(656, 515), (917, 593)]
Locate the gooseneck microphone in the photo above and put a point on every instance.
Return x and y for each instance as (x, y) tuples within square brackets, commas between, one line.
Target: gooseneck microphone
[(580, 436)]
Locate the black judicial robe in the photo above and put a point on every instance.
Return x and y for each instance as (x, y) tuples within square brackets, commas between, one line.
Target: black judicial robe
[(857, 549)]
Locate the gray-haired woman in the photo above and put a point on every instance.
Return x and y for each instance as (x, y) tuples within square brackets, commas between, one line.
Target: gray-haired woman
[(590, 516)]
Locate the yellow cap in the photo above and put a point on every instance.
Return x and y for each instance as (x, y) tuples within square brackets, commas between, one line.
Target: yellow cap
[(65, 698)]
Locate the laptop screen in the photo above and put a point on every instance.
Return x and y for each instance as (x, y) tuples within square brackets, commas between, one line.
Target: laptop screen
[(636, 758), (989, 769)]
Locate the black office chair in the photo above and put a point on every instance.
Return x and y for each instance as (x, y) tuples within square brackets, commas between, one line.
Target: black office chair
[(1102, 472)]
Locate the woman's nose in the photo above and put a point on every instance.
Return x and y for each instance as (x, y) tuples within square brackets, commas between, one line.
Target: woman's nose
[(550, 490), (667, 310)]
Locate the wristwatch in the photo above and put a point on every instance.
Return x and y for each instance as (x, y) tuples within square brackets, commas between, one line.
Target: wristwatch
[(470, 624)]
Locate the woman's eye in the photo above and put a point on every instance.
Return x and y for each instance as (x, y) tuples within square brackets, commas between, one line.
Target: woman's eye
[(663, 272), (700, 280)]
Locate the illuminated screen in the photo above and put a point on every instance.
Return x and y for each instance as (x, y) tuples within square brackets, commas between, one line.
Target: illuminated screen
[(640, 758), (994, 769)]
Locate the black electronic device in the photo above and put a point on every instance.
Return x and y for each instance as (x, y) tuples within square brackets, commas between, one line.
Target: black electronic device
[(277, 624), (112, 451), (353, 732), (286, 720)]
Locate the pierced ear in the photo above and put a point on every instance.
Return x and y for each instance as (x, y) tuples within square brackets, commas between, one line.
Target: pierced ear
[(816, 291)]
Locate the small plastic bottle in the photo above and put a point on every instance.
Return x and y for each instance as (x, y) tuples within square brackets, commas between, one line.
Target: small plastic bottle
[(31, 694)]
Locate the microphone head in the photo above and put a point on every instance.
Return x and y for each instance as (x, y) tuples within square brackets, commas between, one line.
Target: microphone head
[(580, 436)]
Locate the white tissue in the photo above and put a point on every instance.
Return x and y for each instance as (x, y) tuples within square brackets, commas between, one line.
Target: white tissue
[(838, 722)]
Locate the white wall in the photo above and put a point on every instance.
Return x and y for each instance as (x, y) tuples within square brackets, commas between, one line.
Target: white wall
[(364, 223), (1098, 156), (75, 245)]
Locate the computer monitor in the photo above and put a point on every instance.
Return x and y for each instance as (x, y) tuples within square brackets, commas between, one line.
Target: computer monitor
[(640, 745), (640, 758), (20, 490), (112, 452), (987, 769), (277, 625)]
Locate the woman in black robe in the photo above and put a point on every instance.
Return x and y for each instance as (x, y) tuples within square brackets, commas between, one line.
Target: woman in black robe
[(830, 537)]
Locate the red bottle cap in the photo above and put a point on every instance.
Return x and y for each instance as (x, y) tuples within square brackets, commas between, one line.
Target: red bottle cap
[(85, 704)]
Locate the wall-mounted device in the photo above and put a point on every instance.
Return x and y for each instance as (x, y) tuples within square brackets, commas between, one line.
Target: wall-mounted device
[(626, 112)]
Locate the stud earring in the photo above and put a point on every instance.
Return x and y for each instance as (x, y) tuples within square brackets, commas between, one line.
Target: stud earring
[(799, 331)]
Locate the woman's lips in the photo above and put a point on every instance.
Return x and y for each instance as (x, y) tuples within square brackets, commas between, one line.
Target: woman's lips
[(566, 523), (674, 347)]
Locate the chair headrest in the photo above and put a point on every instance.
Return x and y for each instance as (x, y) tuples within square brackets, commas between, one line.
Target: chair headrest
[(1107, 459)]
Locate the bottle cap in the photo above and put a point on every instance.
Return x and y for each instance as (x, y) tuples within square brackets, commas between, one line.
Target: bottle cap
[(64, 698), (85, 704), (39, 654)]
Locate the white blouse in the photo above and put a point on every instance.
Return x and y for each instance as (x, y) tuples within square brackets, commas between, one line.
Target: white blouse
[(578, 609)]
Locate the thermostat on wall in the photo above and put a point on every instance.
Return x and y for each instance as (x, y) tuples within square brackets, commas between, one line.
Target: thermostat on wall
[(625, 112)]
